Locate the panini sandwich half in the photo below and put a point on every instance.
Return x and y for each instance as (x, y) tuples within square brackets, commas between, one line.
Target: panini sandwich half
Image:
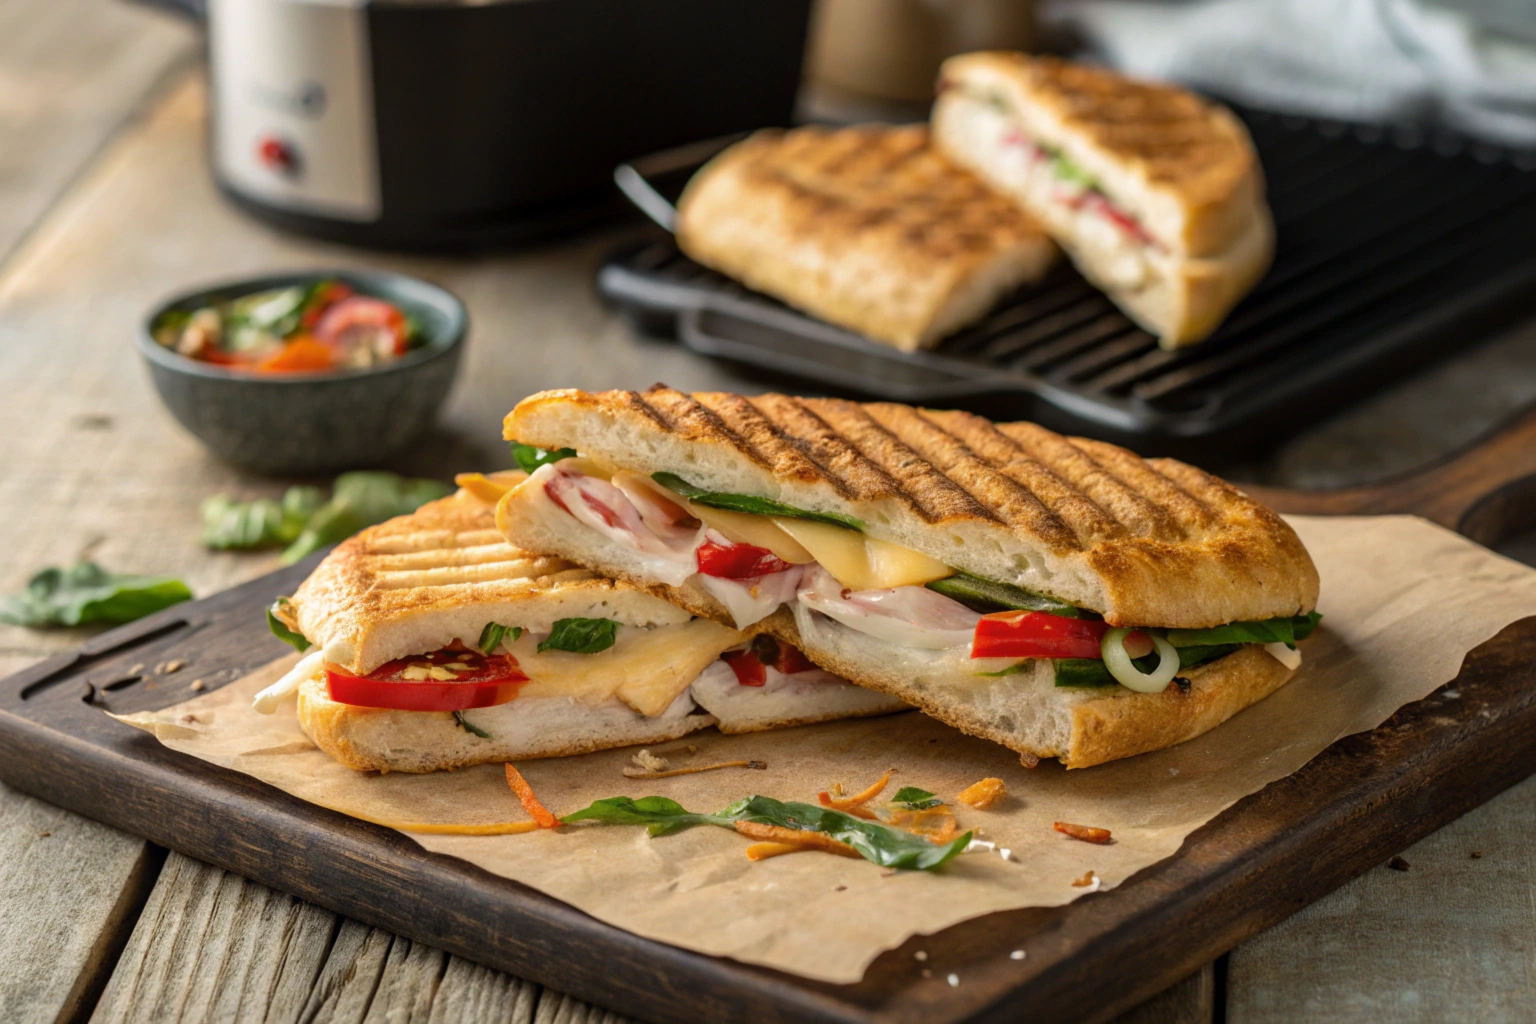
[(437, 644), (1060, 596), (867, 227), (1156, 194)]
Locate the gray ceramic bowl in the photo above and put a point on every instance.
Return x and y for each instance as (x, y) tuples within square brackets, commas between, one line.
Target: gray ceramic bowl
[(313, 422)]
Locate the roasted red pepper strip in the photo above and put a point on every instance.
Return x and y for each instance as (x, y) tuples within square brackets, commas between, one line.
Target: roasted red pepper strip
[(738, 561), (1036, 635), (749, 671), (484, 682)]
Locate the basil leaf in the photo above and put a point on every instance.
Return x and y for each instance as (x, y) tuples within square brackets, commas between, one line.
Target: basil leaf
[(529, 458), (1091, 672), (875, 841), (282, 630), (915, 799), (581, 636), (1068, 171), (490, 637), (751, 505), (233, 525), (1268, 631), (359, 500), (87, 593), (659, 815), (985, 595), (458, 716)]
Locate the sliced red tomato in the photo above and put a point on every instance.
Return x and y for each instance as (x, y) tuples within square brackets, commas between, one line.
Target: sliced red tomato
[(749, 671), (362, 313), (738, 561), (1036, 635), (478, 681), (326, 296)]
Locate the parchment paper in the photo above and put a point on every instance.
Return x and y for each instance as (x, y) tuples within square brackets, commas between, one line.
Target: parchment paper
[(1404, 602)]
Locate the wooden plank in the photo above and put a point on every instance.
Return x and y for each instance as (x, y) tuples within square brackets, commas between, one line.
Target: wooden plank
[(213, 947), (71, 73), (1452, 937), (69, 892), (1191, 1001)]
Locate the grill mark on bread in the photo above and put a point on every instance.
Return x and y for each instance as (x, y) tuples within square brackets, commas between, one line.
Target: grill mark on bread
[(786, 456)]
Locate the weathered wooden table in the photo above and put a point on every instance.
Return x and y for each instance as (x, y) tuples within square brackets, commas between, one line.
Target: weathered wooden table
[(106, 205)]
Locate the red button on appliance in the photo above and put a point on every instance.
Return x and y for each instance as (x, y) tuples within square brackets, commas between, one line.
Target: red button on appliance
[(277, 155)]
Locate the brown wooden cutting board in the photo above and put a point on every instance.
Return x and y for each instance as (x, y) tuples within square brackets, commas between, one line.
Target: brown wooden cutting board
[(1360, 801)]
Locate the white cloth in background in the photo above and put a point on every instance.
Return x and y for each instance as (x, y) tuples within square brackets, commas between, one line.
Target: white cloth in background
[(1469, 66)]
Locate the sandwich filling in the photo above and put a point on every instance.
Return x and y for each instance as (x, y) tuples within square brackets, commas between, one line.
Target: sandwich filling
[(755, 555), (654, 672), (1068, 197)]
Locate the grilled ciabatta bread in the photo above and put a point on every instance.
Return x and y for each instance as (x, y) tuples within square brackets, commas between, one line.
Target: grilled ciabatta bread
[(418, 583), (1140, 543), (865, 227), (1155, 193)]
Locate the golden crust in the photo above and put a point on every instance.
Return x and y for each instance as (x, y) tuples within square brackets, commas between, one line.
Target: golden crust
[(1169, 545), (1172, 140), (866, 227)]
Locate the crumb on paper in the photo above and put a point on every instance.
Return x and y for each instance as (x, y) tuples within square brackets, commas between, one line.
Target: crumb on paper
[(1005, 853), (1017, 954), (927, 973), (1028, 760), (839, 888), (191, 719), (650, 762), (1088, 881), (174, 665), (887, 873), (44, 835), (1451, 694), (921, 954), (136, 669), (954, 980), (1477, 854), (1086, 833), (1173, 771), (197, 686), (982, 795), (1397, 864), (692, 749)]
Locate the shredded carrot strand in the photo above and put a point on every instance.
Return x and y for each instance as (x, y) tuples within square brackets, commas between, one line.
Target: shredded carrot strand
[(791, 836), (537, 811), (854, 805), (762, 851), (1087, 833)]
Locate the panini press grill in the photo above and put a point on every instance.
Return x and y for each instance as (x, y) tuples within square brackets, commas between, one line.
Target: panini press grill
[(1394, 247)]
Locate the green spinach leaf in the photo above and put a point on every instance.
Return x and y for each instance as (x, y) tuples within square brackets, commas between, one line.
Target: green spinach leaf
[(529, 458), (87, 593), (985, 595), (581, 636), (659, 815), (234, 525), (277, 613), (1268, 631), (463, 723), (751, 505)]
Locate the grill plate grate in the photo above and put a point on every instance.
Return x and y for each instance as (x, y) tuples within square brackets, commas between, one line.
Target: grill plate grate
[(1393, 248)]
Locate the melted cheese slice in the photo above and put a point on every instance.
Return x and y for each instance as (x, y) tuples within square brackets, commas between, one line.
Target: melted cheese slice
[(745, 528), (645, 668), (863, 563)]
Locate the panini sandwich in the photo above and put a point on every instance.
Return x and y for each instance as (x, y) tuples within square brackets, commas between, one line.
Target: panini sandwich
[(436, 644), (1060, 596), (1156, 194), (867, 227)]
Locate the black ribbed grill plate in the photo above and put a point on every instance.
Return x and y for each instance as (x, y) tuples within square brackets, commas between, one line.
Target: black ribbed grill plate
[(1393, 248)]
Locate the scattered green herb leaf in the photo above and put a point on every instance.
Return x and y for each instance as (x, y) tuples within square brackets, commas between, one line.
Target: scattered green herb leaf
[(751, 505), (875, 841), (87, 593), (360, 500), (985, 595), (458, 716), (529, 458), (581, 636), (915, 799), (280, 629)]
